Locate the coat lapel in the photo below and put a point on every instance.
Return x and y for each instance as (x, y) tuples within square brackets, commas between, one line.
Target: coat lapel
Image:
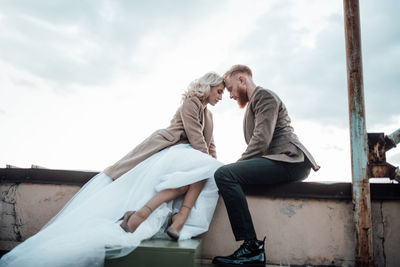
[(246, 115)]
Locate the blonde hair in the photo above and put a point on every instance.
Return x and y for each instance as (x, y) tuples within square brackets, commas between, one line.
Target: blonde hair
[(238, 69), (201, 87)]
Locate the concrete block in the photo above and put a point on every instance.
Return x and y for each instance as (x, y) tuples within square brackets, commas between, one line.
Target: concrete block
[(155, 253)]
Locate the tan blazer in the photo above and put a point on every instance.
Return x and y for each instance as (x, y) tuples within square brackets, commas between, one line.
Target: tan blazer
[(268, 132), (192, 124)]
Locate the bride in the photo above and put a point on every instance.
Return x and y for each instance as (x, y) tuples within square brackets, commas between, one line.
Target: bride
[(164, 187)]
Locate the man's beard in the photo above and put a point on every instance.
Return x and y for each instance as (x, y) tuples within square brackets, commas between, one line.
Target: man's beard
[(243, 99)]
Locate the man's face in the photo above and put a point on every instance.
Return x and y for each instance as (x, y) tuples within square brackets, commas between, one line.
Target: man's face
[(237, 89)]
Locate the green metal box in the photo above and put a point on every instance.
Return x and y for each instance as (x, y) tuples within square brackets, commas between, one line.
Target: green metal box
[(156, 253)]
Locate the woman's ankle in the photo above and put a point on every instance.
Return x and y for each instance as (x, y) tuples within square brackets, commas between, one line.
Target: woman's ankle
[(144, 212), (180, 218), (138, 218)]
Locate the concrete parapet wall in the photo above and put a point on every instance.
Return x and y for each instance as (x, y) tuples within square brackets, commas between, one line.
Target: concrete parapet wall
[(309, 231), (299, 230), (26, 208)]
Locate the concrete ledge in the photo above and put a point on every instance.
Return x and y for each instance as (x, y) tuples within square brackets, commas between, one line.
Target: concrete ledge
[(322, 190), (44, 176), (290, 190)]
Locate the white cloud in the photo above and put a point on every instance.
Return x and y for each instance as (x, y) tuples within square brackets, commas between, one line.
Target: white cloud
[(310, 18)]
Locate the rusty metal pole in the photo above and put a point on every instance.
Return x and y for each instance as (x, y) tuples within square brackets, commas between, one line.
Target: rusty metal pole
[(358, 135)]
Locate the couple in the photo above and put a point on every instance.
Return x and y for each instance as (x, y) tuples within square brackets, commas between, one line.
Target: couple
[(165, 187)]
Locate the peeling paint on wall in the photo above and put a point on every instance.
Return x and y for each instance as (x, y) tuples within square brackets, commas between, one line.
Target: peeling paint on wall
[(10, 225)]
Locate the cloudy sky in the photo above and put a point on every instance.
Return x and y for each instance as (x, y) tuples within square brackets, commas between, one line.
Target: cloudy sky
[(83, 82)]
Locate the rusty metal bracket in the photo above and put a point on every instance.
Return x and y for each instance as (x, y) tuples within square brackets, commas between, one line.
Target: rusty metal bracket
[(378, 145), (392, 139)]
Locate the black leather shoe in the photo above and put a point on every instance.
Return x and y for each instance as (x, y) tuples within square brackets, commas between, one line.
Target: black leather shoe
[(250, 253)]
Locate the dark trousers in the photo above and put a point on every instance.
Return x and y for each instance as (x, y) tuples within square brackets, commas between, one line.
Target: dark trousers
[(229, 179)]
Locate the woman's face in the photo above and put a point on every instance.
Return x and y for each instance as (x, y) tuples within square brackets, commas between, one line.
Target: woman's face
[(216, 93)]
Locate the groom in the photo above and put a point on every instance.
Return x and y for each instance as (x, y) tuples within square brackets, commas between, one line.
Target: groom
[(273, 155)]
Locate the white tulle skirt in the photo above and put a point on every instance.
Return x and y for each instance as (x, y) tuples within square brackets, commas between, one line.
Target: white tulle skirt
[(86, 231)]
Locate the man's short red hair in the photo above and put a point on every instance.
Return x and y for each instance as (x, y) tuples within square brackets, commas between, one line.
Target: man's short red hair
[(238, 69)]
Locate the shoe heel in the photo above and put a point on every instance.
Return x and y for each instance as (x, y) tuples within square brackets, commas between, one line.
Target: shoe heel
[(171, 232), (125, 218)]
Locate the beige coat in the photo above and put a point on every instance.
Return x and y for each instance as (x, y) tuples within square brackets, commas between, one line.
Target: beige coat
[(268, 132), (192, 124)]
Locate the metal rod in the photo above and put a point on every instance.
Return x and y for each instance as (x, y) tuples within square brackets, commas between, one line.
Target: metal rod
[(392, 139), (395, 136), (358, 135)]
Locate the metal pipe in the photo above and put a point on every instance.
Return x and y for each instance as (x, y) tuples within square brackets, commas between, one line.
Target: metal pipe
[(358, 135), (392, 139)]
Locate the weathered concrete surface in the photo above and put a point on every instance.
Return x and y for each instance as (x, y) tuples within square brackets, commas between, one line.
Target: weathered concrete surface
[(50, 199), (25, 208), (299, 231), (9, 223), (386, 234), (309, 231)]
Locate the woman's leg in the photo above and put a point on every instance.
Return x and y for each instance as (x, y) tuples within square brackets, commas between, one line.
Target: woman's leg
[(179, 219), (164, 196)]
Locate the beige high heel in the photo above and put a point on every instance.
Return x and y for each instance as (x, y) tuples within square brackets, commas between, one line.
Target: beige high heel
[(125, 219), (171, 232)]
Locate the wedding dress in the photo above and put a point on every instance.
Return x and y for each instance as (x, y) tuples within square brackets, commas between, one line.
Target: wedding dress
[(86, 231)]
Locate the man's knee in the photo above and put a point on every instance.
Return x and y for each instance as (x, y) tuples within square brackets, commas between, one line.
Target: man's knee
[(223, 175)]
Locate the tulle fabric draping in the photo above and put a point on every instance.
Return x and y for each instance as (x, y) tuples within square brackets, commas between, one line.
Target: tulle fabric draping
[(86, 231)]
